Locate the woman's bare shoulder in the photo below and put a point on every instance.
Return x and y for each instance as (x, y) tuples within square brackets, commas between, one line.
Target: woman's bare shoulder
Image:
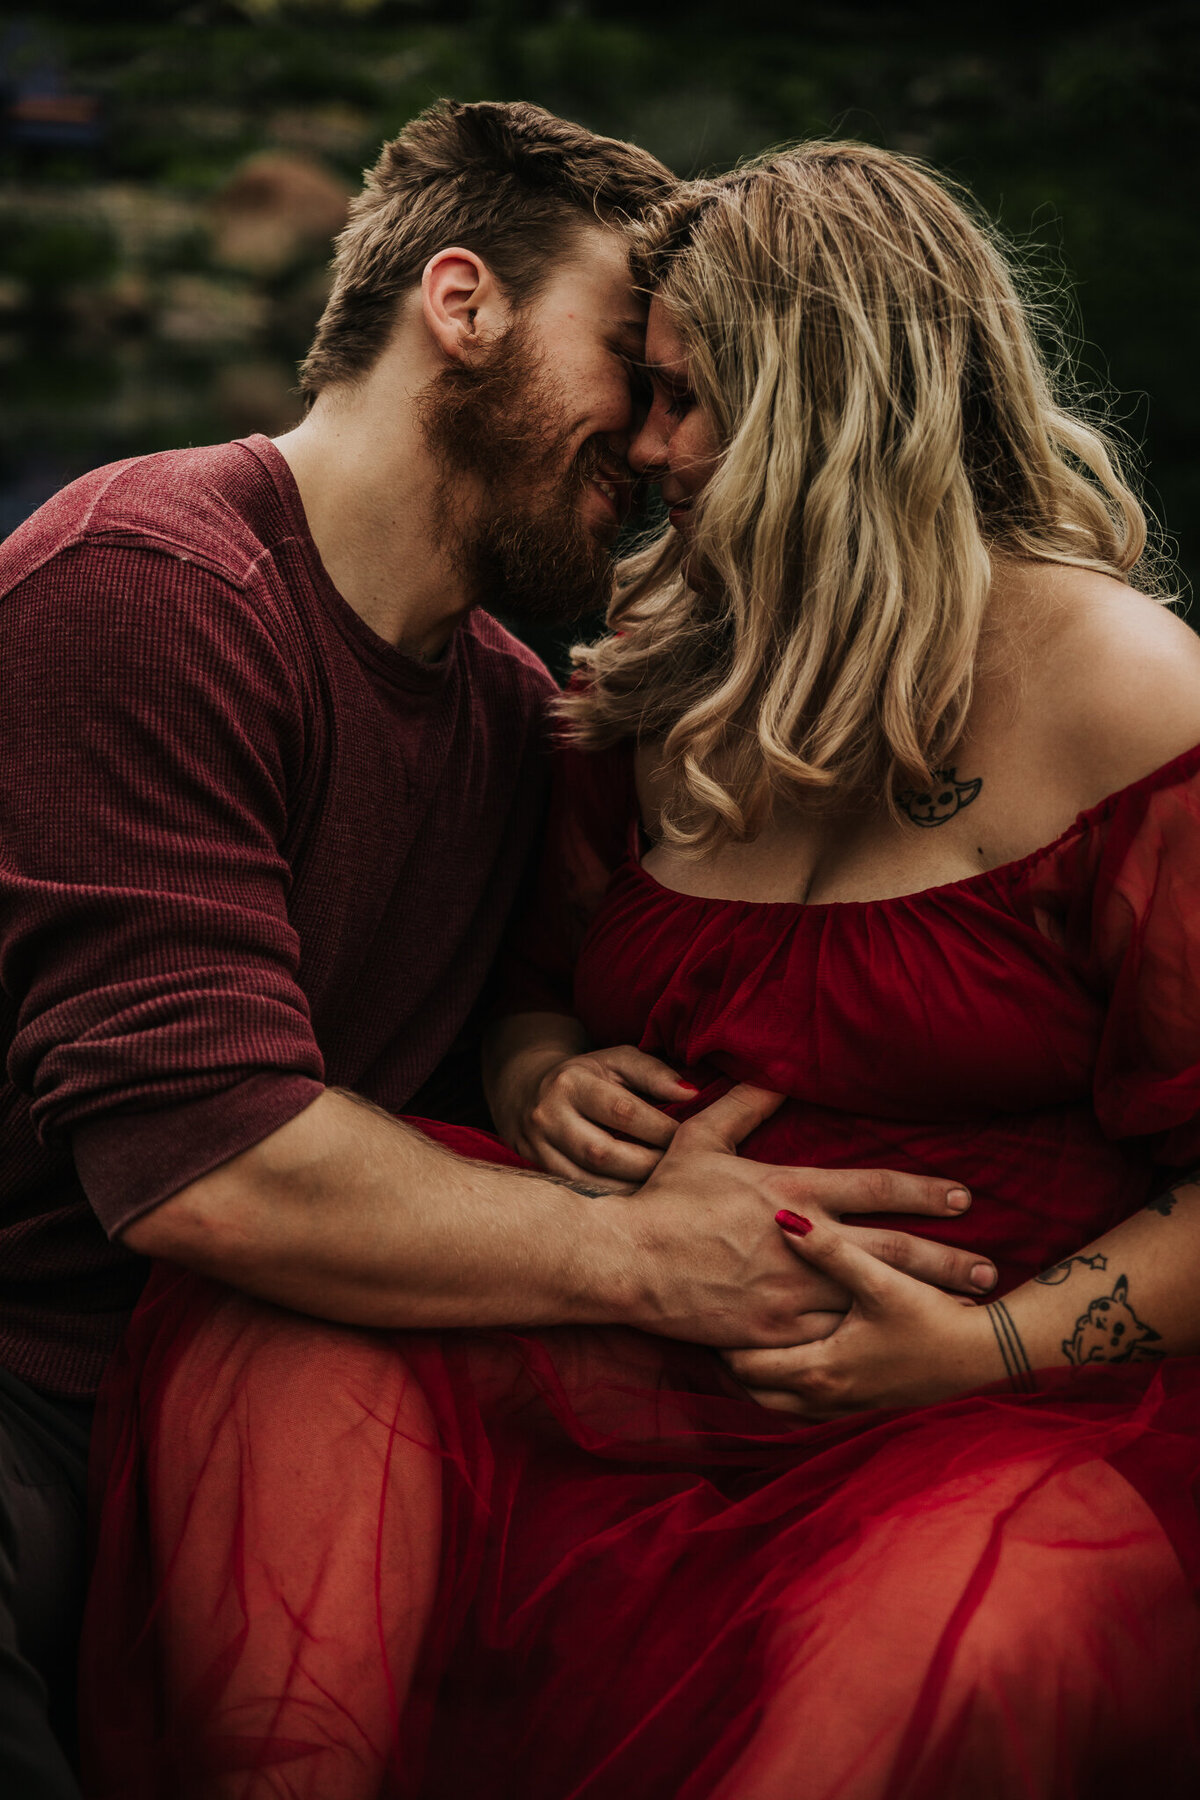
[(1114, 678)]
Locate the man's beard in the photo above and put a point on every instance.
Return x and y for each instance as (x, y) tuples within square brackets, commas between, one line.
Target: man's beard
[(525, 551)]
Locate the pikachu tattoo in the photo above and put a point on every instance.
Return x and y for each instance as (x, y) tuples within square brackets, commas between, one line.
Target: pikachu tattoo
[(1110, 1331)]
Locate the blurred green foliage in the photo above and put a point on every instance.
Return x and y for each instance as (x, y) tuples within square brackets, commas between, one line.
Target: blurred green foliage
[(1074, 131), (44, 253)]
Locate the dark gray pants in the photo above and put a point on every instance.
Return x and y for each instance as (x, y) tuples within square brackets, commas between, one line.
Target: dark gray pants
[(43, 1488)]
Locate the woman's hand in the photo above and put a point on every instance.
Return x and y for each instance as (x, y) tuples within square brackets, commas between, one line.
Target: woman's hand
[(560, 1104), (902, 1342), (577, 1104)]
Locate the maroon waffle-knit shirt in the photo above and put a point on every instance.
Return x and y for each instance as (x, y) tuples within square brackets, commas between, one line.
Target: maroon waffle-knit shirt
[(247, 849)]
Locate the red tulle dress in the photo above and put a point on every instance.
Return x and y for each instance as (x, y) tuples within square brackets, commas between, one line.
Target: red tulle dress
[(579, 1564)]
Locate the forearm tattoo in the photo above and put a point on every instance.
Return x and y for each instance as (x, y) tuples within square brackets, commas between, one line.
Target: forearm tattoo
[(1111, 1332), (1164, 1203), (579, 1187), (589, 1190), (938, 803), (1058, 1272), (1012, 1350)]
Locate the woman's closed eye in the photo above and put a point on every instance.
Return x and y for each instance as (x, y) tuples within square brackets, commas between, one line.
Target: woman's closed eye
[(676, 397)]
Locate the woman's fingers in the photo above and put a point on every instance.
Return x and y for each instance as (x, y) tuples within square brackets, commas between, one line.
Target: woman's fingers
[(583, 1151), (777, 1399), (801, 1380), (810, 1328), (723, 1124), (594, 1091), (777, 1370), (648, 1075), (828, 1250), (579, 1118), (609, 1104)]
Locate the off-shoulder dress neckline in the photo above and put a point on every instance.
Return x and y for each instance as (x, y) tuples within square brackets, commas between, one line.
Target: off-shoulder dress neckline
[(1005, 874)]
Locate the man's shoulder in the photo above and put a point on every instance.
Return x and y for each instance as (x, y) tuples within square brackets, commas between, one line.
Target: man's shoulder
[(214, 505)]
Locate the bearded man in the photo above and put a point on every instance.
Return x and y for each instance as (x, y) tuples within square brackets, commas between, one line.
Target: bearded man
[(269, 778)]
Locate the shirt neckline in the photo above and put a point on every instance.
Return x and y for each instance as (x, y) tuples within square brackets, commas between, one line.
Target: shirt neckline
[(1186, 763), (395, 665)]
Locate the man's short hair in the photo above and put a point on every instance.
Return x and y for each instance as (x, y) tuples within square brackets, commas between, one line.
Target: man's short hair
[(509, 181)]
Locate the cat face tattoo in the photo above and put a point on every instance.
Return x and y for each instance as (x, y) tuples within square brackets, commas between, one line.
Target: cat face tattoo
[(940, 802), (1110, 1332)]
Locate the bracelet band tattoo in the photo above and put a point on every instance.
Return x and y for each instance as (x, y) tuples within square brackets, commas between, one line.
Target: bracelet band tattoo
[(1012, 1350)]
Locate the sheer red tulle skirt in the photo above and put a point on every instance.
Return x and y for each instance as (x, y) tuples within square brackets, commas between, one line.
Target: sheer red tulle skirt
[(578, 1563)]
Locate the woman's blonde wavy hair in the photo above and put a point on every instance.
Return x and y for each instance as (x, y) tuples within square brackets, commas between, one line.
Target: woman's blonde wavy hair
[(888, 428)]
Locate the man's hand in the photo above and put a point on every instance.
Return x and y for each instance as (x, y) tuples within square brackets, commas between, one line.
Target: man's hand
[(901, 1343), (711, 1264)]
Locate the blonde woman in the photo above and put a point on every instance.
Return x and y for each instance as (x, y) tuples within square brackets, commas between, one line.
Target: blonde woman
[(883, 794), (889, 776)]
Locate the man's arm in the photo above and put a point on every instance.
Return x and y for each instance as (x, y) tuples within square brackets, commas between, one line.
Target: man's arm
[(347, 1213), (350, 1214)]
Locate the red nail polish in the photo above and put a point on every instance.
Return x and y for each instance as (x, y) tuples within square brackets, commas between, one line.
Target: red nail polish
[(689, 1085), (793, 1223)]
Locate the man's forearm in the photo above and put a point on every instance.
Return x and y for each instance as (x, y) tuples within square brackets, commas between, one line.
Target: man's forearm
[(1132, 1296), (349, 1214), (346, 1213)]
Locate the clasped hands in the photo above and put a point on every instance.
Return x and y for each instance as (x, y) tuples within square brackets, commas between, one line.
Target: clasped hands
[(878, 1323)]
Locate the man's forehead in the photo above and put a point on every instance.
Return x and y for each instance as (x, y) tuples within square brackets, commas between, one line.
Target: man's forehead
[(599, 266)]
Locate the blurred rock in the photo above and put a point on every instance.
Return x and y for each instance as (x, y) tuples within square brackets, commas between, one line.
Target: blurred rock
[(279, 209)]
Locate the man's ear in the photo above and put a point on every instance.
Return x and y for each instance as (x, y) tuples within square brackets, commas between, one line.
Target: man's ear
[(461, 302)]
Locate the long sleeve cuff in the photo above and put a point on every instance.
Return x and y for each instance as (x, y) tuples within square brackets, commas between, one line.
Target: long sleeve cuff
[(131, 1162)]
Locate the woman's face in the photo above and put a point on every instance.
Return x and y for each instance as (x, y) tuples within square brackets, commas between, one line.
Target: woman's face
[(677, 445)]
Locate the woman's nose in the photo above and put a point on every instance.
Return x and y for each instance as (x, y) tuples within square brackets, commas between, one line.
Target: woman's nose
[(648, 451)]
